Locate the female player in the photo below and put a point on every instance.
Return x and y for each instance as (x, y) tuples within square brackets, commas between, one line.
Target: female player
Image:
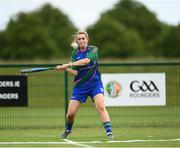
[(87, 82)]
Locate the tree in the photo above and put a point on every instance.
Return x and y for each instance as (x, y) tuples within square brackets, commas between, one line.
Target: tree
[(114, 40), (139, 25), (3, 43), (135, 15), (169, 45), (43, 33)]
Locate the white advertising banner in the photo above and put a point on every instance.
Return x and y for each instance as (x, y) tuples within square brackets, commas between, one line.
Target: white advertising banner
[(138, 89)]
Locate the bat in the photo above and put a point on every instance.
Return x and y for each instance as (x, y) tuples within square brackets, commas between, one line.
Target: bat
[(37, 69)]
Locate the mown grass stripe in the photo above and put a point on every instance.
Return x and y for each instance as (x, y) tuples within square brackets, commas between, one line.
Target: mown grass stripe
[(82, 143)]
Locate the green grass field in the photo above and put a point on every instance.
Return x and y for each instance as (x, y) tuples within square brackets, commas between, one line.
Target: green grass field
[(40, 124), (91, 137), (53, 117)]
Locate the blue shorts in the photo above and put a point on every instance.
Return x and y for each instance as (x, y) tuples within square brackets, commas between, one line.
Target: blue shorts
[(80, 93)]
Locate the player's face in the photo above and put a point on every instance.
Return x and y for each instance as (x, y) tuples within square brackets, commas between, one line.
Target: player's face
[(82, 41)]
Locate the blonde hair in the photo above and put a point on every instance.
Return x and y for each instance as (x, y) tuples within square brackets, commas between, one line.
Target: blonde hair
[(79, 32), (82, 32)]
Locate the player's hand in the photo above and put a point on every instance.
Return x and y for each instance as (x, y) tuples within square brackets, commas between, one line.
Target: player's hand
[(59, 67), (62, 67)]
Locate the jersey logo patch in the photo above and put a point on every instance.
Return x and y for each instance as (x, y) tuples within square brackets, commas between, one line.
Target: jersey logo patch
[(78, 58), (94, 50)]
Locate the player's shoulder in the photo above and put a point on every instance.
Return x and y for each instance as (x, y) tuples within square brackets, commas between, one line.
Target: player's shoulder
[(93, 48)]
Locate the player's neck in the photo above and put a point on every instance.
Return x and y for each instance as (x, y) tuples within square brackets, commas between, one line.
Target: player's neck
[(83, 49)]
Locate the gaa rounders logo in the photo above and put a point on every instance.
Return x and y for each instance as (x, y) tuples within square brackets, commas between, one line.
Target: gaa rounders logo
[(113, 89)]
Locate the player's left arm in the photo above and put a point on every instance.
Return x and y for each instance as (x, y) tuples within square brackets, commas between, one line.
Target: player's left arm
[(91, 56), (73, 64), (81, 62)]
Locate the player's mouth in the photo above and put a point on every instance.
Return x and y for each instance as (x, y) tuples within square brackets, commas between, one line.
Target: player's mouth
[(82, 45)]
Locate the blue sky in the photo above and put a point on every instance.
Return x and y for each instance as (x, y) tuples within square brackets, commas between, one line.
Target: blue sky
[(86, 12)]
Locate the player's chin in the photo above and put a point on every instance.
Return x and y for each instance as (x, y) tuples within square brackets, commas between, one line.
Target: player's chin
[(82, 45)]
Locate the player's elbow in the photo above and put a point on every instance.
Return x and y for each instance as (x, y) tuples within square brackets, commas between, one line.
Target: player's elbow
[(75, 73)]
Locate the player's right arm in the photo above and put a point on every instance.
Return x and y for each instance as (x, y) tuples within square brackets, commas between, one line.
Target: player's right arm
[(65, 67), (73, 69)]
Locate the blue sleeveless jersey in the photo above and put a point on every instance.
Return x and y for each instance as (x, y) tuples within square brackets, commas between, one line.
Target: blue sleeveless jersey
[(87, 73)]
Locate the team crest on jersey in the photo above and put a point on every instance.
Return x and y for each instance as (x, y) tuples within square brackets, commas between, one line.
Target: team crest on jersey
[(94, 50)]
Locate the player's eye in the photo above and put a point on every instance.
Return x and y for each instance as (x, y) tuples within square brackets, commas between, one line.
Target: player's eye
[(81, 38)]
